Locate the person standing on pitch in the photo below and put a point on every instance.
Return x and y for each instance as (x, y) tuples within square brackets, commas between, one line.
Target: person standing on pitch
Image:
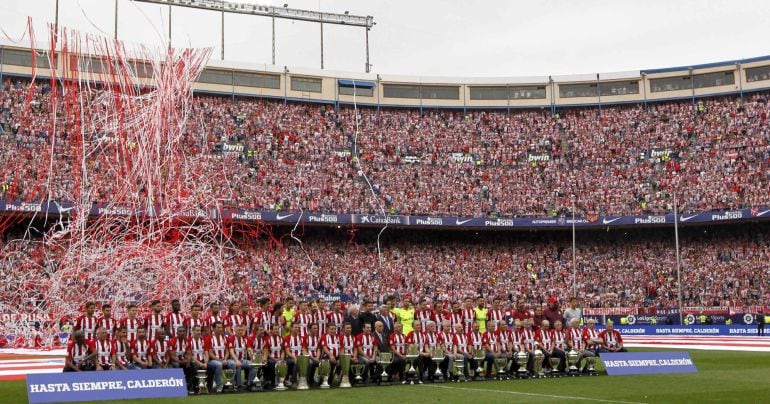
[(572, 312)]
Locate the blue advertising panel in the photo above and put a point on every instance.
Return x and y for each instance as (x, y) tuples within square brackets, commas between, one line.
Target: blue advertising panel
[(448, 222), (641, 363), (107, 385), (695, 330)]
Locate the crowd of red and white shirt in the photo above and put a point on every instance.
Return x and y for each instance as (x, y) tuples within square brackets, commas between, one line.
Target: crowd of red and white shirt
[(306, 157)]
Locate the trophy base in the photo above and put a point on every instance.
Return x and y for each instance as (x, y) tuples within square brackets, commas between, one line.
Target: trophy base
[(280, 387), (522, 375), (256, 388), (573, 372), (325, 386), (438, 377)]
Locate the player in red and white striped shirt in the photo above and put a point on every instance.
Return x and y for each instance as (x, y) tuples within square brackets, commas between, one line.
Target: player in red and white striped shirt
[(330, 346), (496, 313), (528, 343), (155, 320), (491, 346), (439, 314), (463, 348), (140, 350), (366, 347), (292, 346), (312, 346), (238, 345), (612, 341), (398, 346), (273, 352), (303, 318), (544, 337), (233, 318), (103, 348), (197, 351), (88, 322), (468, 315), (336, 317), (560, 346), (446, 339), (106, 321), (214, 315), (195, 318), (319, 313), (423, 313), (177, 350), (576, 342), (121, 350), (175, 318), (81, 354), (218, 355), (159, 350), (131, 323)]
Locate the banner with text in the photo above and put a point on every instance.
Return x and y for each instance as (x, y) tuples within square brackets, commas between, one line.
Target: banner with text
[(96, 386), (641, 363)]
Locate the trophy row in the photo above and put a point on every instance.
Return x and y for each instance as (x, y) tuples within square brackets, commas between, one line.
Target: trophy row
[(456, 373)]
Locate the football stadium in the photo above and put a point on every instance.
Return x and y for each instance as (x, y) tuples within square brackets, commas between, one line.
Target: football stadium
[(230, 201)]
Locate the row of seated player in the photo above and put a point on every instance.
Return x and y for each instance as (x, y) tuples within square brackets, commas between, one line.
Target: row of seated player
[(458, 350), (716, 156)]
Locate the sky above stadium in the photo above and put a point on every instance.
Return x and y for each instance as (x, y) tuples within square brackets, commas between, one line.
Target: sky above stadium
[(443, 37)]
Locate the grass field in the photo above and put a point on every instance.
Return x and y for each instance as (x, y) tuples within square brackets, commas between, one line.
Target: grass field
[(740, 377)]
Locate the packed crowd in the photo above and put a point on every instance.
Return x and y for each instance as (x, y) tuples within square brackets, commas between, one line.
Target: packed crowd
[(720, 267), (301, 157), (309, 344)]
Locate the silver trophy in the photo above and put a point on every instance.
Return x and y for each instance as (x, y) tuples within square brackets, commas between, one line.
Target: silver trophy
[(344, 368), (324, 370), (386, 358), (522, 357), (538, 363), (229, 375), (411, 355), (303, 363), (573, 357), (478, 355), (555, 362), (202, 375), (281, 373), (358, 370), (590, 362), (257, 364), (459, 370), (501, 363), (438, 357)]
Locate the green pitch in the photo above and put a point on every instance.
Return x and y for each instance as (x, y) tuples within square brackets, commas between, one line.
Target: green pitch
[(741, 377)]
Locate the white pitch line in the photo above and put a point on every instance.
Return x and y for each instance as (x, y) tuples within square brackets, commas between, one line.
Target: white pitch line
[(519, 393)]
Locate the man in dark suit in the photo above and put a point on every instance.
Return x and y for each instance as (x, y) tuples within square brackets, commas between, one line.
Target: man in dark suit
[(355, 320), (383, 339), (383, 316), (366, 316)]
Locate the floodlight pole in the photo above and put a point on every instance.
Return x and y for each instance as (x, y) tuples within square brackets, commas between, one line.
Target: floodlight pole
[(678, 264), (574, 252), (223, 35), (273, 38), (169, 26), (116, 20), (56, 21), (367, 49), (322, 44)]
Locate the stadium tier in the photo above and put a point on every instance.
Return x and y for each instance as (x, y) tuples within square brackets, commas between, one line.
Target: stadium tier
[(298, 157)]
